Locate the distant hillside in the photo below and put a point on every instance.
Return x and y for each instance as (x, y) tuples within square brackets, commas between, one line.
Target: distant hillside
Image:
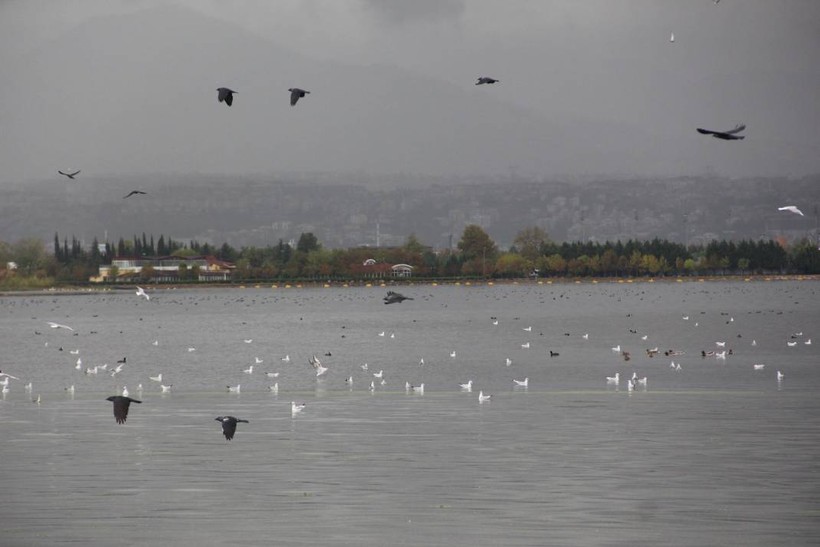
[(344, 211)]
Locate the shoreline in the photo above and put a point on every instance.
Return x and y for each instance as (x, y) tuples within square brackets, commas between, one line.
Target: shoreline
[(75, 290)]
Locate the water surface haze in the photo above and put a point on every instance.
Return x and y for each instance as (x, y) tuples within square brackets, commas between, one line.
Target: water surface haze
[(719, 452)]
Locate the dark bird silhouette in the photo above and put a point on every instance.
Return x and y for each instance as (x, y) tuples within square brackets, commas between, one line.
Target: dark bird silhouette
[(296, 94), (486, 80), (70, 175), (121, 405), (229, 425), (394, 297), (730, 135), (133, 193), (225, 94)]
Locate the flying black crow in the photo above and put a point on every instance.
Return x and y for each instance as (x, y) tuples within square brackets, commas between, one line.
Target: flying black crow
[(229, 425), (121, 405)]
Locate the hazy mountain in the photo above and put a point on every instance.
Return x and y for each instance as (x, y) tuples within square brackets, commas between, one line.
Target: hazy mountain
[(344, 212)]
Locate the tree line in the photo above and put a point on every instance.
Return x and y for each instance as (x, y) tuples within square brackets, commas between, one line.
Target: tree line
[(532, 254)]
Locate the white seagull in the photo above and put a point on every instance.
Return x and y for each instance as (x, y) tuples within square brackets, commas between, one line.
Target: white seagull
[(296, 408), (526, 346), (614, 380), (248, 370), (617, 349), (780, 376), (453, 354), (522, 383), (54, 325), (166, 389), (483, 398), (759, 366), (791, 209), (379, 374), (272, 374), (235, 389), (418, 389), (157, 378), (258, 360), (141, 292), (508, 361), (286, 358), (468, 386), (274, 388)]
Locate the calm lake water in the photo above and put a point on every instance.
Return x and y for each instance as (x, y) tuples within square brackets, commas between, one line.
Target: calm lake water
[(716, 453)]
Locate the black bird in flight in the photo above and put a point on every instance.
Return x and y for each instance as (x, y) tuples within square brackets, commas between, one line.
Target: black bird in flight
[(229, 425), (296, 94), (121, 405), (70, 175), (730, 135), (226, 95), (133, 193), (486, 80), (394, 297)]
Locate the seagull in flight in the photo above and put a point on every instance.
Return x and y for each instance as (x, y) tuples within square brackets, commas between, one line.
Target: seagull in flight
[(70, 175), (296, 94), (225, 94), (486, 80), (730, 135), (141, 292), (395, 297), (133, 193), (54, 325), (791, 209), (121, 404), (229, 425)]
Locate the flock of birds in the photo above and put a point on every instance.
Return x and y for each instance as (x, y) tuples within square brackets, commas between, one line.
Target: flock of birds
[(121, 402)]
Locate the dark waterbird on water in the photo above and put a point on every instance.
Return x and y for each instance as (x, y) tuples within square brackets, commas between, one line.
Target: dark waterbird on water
[(225, 94), (229, 425), (730, 135), (486, 80), (134, 193), (296, 94), (394, 297), (70, 175), (121, 404)]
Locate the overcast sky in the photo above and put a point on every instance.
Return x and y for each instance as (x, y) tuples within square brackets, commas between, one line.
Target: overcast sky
[(587, 86)]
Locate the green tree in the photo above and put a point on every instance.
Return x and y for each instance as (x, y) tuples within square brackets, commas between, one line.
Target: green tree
[(530, 241), (512, 265), (476, 243), (413, 244), (307, 242), (30, 256)]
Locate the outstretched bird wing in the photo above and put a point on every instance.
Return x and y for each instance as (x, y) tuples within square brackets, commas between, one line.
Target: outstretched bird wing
[(738, 128), (121, 405)]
